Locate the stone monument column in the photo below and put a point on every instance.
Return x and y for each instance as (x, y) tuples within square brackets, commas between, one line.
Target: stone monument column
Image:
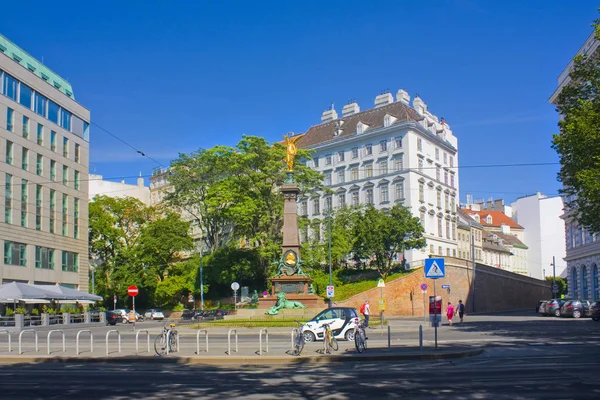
[(290, 191)]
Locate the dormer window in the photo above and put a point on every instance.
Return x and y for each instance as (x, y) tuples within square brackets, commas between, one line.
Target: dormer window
[(360, 128), (477, 218), (488, 220), (388, 120)]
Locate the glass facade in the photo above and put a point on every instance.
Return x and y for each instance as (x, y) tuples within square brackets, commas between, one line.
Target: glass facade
[(44, 258), (70, 261), (15, 253), (10, 119), (24, 159), (8, 199)]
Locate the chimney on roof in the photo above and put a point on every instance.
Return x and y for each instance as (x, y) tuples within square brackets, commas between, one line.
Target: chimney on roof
[(329, 115), (383, 99), (351, 108), (403, 97), (419, 105)]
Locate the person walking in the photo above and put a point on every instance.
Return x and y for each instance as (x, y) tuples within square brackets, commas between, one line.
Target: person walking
[(461, 310), (365, 310), (450, 312)]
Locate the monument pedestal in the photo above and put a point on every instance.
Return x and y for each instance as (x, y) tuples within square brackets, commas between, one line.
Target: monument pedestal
[(295, 288)]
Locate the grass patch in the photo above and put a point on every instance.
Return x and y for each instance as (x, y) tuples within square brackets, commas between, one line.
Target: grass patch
[(347, 290), (248, 323)]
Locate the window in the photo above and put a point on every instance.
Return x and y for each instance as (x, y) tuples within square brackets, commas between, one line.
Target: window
[(38, 207), (452, 203), (399, 191), (447, 201), (328, 203), (44, 258), (341, 176), (15, 253), (439, 199), (453, 230), (77, 152), (452, 180), (384, 195), (398, 164), (23, 203), (440, 250), (9, 152), (25, 94), (383, 167), (398, 142), (70, 261), (419, 144), (328, 159), (25, 127), (10, 117), (383, 146), (439, 226), (369, 170), (316, 206), (53, 111), (52, 209), (421, 192), (420, 165), (354, 172), (65, 210), (422, 218), (76, 180), (65, 119), (437, 154), (446, 177), (39, 165), (52, 140), (368, 150), (448, 252), (65, 147), (24, 159), (328, 178), (446, 158), (65, 175), (448, 234), (40, 134), (316, 161), (341, 199), (10, 87), (355, 152), (355, 199), (438, 173), (369, 196), (8, 199), (304, 208), (53, 170), (340, 156), (451, 161), (40, 103)]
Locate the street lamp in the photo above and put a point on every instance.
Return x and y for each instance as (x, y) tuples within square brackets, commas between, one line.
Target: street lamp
[(329, 234), (201, 284)]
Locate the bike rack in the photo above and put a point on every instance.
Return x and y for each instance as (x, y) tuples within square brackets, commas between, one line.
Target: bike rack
[(137, 336), (118, 336), (63, 338), (229, 341), (198, 340), (294, 330), (168, 339), (9, 339), (77, 341), (260, 340), (36, 339)]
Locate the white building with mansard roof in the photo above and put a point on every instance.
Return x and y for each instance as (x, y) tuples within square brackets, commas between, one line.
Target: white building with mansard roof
[(392, 153)]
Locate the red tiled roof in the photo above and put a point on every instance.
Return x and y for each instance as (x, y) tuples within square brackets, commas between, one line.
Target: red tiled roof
[(498, 218)]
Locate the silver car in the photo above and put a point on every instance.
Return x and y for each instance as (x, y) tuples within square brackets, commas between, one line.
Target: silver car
[(154, 314)]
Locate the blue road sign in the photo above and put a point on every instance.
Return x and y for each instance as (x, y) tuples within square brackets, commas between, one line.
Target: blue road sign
[(434, 268), (445, 286)]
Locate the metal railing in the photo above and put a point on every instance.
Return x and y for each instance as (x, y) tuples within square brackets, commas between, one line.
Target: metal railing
[(137, 336), (9, 339), (118, 336), (198, 340), (229, 341), (77, 318), (7, 321), (63, 339), (32, 320), (95, 317), (36, 339), (260, 336), (91, 341), (55, 319)]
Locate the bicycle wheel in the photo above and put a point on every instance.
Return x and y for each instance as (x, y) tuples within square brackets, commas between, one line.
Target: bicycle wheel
[(359, 343), (173, 342), (326, 344), (299, 345), (364, 337), (160, 345), (334, 343)]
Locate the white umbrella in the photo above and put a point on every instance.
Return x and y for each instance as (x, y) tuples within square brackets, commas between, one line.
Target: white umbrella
[(71, 294), (17, 291)]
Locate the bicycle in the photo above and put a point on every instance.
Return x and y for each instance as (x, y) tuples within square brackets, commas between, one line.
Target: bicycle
[(329, 340), (160, 343), (299, 342), (360, 337)]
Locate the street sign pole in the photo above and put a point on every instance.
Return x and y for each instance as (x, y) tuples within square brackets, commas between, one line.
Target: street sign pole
[(554, 277), (435, 324)]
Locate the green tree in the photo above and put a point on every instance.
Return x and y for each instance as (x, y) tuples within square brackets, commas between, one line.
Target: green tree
[(578, 143), (382, 235), (561, 283)]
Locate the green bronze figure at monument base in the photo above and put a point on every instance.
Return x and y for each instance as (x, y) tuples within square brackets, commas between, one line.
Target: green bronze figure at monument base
[(283, 303)]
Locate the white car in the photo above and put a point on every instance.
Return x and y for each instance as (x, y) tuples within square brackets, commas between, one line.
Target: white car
[(154, 314), (342, 321), (124, 314)]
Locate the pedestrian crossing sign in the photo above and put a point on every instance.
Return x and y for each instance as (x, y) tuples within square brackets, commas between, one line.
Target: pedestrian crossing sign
[(435, 268)]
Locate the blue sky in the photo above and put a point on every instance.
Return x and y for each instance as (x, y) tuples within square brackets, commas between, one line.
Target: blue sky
[(174, 76)]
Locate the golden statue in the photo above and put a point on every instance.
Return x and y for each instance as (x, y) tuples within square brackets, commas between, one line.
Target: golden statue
[(290, 259), (291, 150)]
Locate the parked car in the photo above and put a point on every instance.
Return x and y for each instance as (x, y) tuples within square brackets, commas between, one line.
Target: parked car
[(191, 315), (341, 319), (112, 318), (576, 309), (154, 314), (539, 305), (596, 310), (553, 306), (123, 314), (542, 307)]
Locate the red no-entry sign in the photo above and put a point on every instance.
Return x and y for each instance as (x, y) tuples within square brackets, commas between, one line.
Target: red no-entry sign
[(132, 291)]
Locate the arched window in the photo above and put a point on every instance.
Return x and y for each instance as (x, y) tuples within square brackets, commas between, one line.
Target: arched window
[(574, 282), (584, 283), (595, 294)]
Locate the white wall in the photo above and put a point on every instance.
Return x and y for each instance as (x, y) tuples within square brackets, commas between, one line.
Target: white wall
[(553, 235), (98, 186)]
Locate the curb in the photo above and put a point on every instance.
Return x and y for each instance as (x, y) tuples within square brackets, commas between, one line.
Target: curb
[(244, 360)]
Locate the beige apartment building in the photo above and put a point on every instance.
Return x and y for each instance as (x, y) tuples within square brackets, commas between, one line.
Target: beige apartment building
[(44, 158)]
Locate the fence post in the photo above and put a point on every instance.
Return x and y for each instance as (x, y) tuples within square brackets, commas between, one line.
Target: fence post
[(420, 337), (19, 321), (294, 330), (45, 319), (137, 335), (63, 339), (102, 317), (36, 339), (389, 337), (118, 336), (260, 340), (198, 340), (229, 341), (9, 339), (91, 341), (87, 318), (66, 318)]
